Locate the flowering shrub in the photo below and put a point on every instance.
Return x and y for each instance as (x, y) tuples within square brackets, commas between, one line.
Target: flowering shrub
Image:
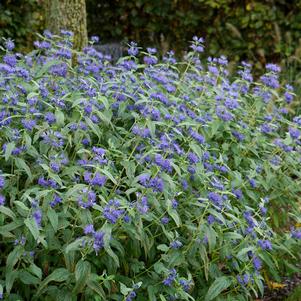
[(143, 181)]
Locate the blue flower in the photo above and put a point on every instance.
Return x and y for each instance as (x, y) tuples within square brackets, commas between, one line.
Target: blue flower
[(98, 241), (2, 200), (196, 136), (2, 182), (98, 180), (50, 118), (37, 216), (223, 113), (295, 234), (238, 193), (29, 124), (193, 158), (55, 166), (273, 67), (215, 198), (131, 296), (257, 263), (144, 179), (95, 39), (294, 133), (87, 198), (164, 220), (142, 206), (98, 151), (89, 229), (9, 45), (264, 244), (253, 183), (112, 211), (176, 244), (170, 278), (56, 200), (211, 219), (185, 284), (157, 184), (133, 49)]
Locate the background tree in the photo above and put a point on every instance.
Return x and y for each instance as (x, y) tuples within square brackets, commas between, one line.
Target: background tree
[(70, 15)]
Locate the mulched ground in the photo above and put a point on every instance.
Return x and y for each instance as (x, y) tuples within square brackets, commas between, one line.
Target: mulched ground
[(281, 294)]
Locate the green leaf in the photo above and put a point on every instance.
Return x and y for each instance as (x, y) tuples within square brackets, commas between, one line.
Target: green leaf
[(33, 227), (28, 278), (163, 247), (7, 212), (21, 208), (176, 258), (10, 278), (159, 267), (9, 148), (152, 128), (244, 251), (74, 246), (78, 102), (4, 230), (162, 298), (60, 118), (58, 275), (69, 260), (219, 285), (211, 235), (34, 269), (130, 168), (175, 216), (94, 127), (205, 260), (82, 274), (97, 288), (152, 290), (13, 257), (53, 218), (20, 163), (109, 175), (124, 289), (214, 127), (232, 235), (105, 116)]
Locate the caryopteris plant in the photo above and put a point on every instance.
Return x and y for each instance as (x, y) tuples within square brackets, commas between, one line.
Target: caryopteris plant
[(148, 179)]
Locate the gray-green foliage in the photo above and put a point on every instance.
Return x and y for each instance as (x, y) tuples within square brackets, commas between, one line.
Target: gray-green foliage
[(146, 181)]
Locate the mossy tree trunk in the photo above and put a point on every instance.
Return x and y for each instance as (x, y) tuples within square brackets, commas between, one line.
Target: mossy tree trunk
[(69, 15)]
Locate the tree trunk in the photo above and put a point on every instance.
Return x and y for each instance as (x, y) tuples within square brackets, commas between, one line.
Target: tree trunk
[(69, 15)]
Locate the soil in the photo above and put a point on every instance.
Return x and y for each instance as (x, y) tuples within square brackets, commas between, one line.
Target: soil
[(282, 293)]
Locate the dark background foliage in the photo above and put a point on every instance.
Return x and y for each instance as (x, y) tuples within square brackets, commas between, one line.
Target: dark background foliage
[(19, 20), (261, 31), (258, 30)]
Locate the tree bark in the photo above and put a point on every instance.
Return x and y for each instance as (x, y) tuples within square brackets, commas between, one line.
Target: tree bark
[(68, 15)]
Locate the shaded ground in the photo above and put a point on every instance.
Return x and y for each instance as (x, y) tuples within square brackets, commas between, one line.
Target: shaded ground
[(290, 292)]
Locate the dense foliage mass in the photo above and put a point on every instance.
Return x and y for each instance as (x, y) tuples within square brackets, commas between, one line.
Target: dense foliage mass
[(147, 179)]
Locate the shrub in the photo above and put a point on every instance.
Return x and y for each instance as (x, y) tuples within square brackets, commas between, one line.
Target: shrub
[(160, 180)]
